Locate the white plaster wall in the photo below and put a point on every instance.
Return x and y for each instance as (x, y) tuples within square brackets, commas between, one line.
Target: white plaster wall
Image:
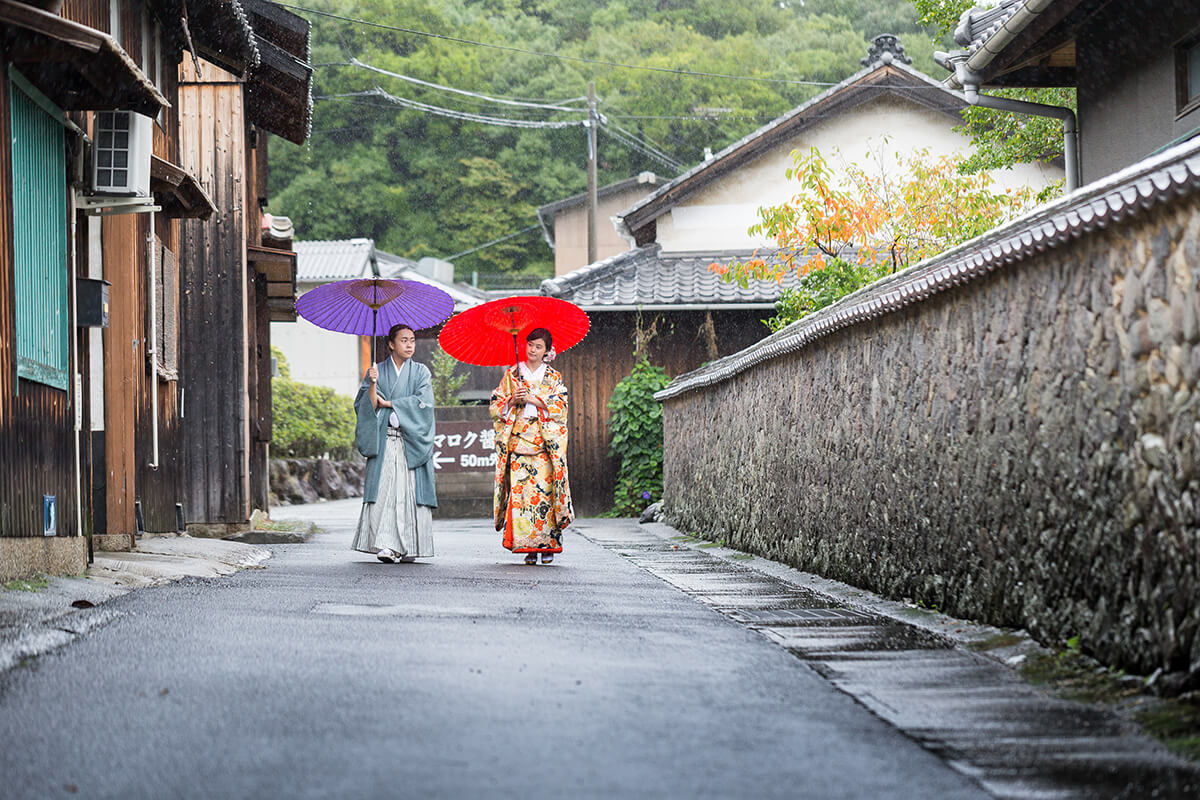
[(318, 356), (717, 217)]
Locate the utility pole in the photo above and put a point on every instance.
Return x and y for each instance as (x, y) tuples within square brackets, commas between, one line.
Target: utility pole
[(593, 120)]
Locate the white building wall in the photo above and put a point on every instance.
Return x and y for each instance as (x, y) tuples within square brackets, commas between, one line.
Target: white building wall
[(718, 216), (317, 356)]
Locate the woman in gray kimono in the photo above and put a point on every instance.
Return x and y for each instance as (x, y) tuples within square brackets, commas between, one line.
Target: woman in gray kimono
[(394, 430)]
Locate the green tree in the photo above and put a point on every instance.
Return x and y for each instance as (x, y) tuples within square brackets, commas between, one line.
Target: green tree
[(877, 219), (421, 184), (445, 383), (309, 421)]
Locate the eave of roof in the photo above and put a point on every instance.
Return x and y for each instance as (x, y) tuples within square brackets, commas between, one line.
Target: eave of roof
[(895, 78), (222, 34), (1174, 173), (178, 192), (1004, 44), (279, 88), (78, 68)]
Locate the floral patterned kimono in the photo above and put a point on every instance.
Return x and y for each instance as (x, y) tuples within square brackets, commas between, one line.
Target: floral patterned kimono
[(532, 499)]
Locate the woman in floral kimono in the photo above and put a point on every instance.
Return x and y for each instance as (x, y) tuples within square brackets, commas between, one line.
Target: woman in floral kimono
[(532, 499)]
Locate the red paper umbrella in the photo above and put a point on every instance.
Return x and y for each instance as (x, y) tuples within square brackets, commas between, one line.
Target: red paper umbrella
[(493, 334)]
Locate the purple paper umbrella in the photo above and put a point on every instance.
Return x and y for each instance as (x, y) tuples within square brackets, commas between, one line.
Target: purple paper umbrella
[(371, 306)]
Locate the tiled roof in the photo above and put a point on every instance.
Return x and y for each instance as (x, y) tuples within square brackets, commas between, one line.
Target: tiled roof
[(649, 278), (335, 260), (979, 24), (894, 77), (1173, 173)]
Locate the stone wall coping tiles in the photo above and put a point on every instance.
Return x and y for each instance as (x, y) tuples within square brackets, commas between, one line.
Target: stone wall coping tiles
[(1173, 174)]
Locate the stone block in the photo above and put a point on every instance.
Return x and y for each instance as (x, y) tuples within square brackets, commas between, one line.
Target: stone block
[(23, 557), (113, 542)]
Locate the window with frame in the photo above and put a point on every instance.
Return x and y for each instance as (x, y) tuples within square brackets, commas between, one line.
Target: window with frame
[(40, 268), (1187, 75)]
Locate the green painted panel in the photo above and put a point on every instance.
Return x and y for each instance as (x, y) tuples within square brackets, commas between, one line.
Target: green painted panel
[(40, 241)]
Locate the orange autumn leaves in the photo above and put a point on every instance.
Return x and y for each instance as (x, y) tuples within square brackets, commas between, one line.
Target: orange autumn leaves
[(876, 219)]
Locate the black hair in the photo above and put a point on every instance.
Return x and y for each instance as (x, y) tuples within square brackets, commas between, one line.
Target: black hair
[(543, 334), (395, 329)]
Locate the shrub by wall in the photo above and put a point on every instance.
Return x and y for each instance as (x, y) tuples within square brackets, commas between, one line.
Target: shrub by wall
[(311, 421)]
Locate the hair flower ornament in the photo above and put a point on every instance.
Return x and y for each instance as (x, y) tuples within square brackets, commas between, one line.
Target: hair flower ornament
[(550, 354)]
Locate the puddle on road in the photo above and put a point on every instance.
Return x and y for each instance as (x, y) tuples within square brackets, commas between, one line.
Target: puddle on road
[(1011, 738), (410, 610)]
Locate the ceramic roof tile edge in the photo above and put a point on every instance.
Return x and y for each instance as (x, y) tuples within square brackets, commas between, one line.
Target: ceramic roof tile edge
[(577, 279), (798, 111), (247, 32), (1138, 187)]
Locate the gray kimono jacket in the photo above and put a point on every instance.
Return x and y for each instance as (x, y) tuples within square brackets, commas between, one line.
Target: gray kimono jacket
[(411, 394)]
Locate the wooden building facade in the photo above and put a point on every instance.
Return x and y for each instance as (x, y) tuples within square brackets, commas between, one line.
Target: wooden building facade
[(92, 281), (238, 283)]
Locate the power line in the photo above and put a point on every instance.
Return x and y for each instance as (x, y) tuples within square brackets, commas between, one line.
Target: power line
[(647, 151), (559, 56), (492, 242), (643, 141), (523, 104), (508, 122)]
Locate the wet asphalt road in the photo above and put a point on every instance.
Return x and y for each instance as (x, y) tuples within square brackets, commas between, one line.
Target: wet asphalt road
[(329, 674)]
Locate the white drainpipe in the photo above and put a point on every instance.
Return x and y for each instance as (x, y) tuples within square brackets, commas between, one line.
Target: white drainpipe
[(152, 348), (76, 383)]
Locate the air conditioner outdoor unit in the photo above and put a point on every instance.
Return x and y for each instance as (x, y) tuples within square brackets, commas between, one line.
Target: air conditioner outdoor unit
[(121, 153)]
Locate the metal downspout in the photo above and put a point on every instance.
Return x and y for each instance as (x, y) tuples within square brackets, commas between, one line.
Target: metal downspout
[(970, 81), (76, 381)]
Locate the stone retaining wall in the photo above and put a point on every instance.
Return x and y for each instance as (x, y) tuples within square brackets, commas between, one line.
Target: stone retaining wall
[(1023, 448), (307, 480)]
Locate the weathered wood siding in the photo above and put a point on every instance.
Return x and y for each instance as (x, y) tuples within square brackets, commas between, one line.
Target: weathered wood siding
[(214, 305), (124, 360), (593, 368), (36, 421)]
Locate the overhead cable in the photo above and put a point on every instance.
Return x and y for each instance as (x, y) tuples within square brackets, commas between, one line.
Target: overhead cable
[(648, 152), (545, 106), (492, 242), (642, 139), (508, 122)]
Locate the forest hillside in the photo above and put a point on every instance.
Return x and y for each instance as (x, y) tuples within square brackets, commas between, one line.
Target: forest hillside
[(440, 125)]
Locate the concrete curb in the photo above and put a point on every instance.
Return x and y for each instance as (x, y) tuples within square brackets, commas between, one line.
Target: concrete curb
[(1008, 647), (33, 623)]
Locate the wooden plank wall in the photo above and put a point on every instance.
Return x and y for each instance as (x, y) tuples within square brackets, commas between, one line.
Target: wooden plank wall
[(124, 357), (213, 322), (36, 421), (592, 369)]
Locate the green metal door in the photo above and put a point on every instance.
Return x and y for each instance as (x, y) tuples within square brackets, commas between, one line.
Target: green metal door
[(39, 236)]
